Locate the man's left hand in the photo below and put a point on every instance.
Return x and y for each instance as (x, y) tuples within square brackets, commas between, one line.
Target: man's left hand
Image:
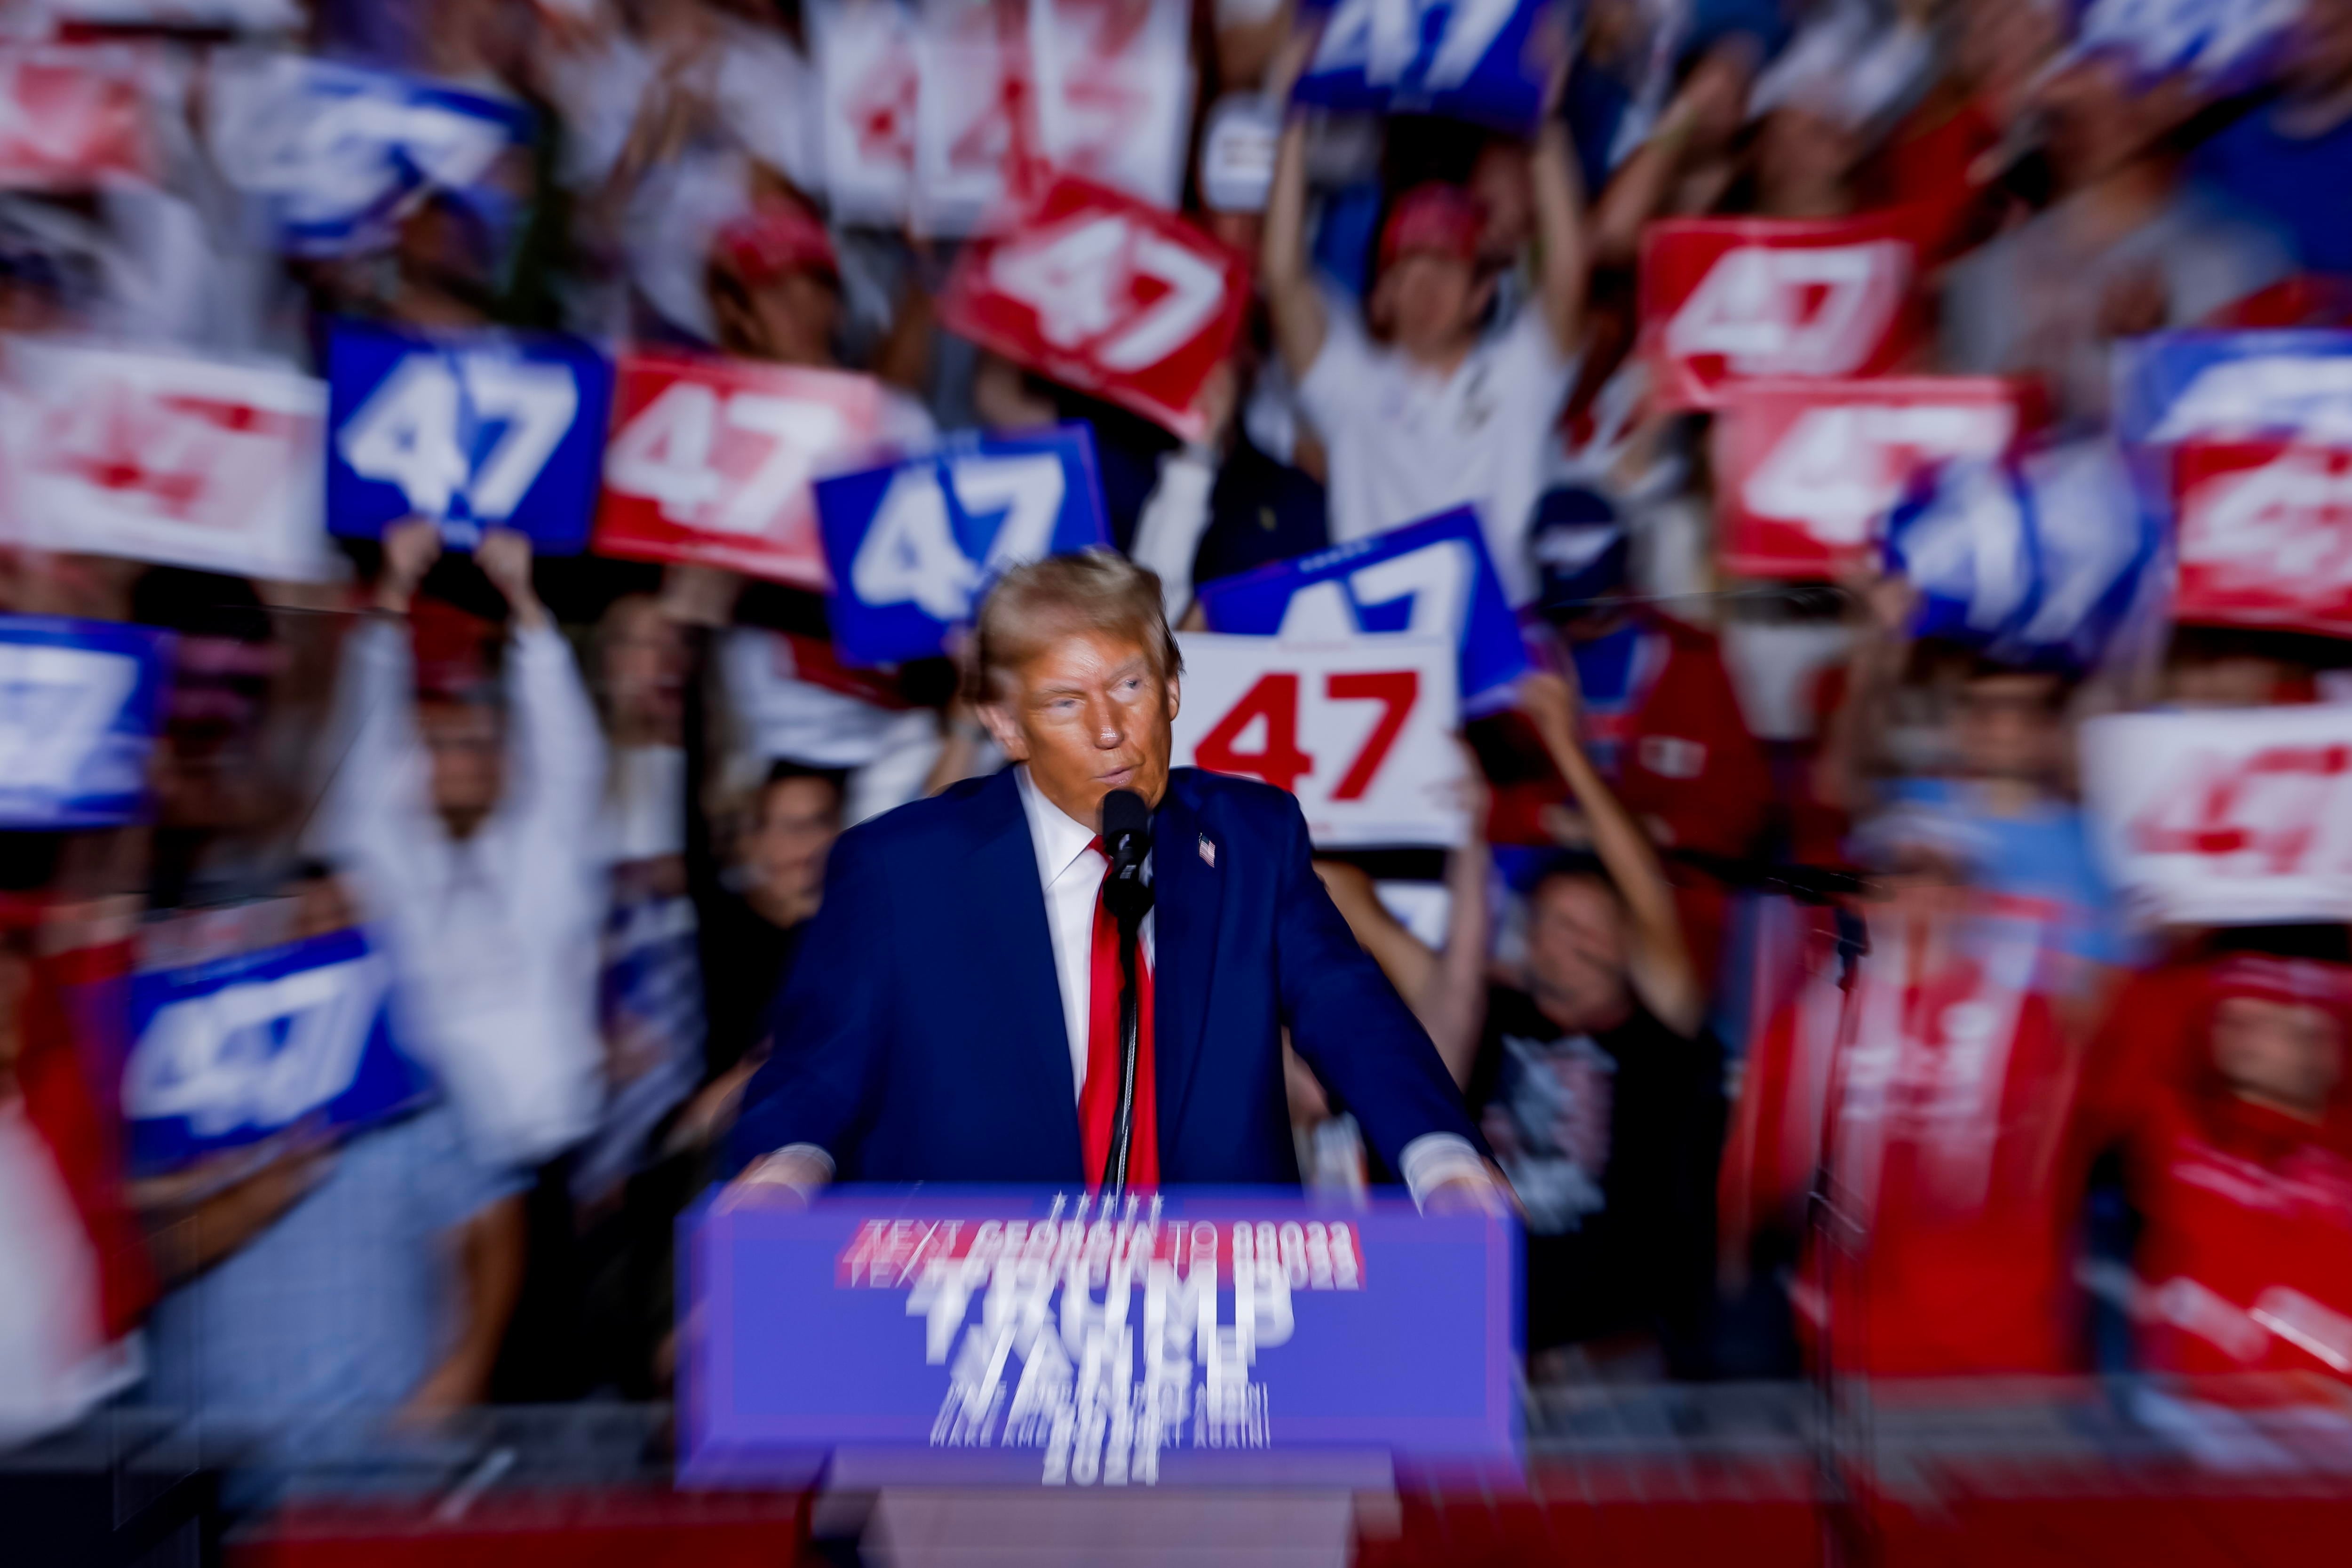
[(1485, 1193)]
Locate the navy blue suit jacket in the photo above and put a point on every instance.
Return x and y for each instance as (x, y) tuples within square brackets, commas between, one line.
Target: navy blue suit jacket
[(920, 1036)]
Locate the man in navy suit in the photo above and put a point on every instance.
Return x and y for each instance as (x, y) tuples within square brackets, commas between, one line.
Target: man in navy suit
[(954, 1015)]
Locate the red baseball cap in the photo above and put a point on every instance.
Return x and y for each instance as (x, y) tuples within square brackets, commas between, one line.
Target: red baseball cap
[(774, 240), (452, 647), (2295, 981), (1436, 217)]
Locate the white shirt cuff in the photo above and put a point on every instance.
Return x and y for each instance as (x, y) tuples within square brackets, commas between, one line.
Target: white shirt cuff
[(1433, 1159), (809, 1152)]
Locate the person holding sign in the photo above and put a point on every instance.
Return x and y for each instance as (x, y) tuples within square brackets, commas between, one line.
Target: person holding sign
[(1421, 411), (983, 997), (1594, 1076), (469, 823), (774, 284)]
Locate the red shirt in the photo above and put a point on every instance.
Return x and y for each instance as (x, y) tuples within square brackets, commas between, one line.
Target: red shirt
[(2246, 1256), (1952, 1087), (77, 1125)]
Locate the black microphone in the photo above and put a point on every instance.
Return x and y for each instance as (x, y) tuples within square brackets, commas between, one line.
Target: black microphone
[(1126, 893), (1126, 840)]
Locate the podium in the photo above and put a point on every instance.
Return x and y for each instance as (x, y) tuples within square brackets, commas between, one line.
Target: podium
[(985, 1376)]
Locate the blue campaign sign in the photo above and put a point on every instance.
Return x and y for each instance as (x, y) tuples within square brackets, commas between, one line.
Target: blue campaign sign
[(1431, 578), (225, 1053), (1466, 58), (2172, 386), (1964, 541), (2035, 556), (79, 702), (475, 430), (1011, 1337), (2095, 546), (337, 153), (2223, 45), (914, 545)]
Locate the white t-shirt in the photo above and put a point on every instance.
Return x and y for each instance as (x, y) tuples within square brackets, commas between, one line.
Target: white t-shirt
[(1405, 444)]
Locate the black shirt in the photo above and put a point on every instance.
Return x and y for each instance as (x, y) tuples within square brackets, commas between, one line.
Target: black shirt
[(1260, 511), (746, 959), (1611, 1140)]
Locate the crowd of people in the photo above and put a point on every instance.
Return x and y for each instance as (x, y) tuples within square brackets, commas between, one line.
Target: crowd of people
[(1782, 970)]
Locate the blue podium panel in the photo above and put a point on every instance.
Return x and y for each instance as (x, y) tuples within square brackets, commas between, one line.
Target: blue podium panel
[(1204, 1337)]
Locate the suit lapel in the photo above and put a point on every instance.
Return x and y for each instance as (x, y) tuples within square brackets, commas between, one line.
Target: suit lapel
[(1006, 905), (1187, 903)]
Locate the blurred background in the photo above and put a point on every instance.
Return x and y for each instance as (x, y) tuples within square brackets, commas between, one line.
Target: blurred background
[(491, 489)]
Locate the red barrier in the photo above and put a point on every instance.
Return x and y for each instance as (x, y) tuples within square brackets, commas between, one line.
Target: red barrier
[(603, 1528)]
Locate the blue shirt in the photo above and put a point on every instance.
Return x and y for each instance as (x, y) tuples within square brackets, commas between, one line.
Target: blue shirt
[(334, 1314), (2293, 183), (1611, 677), (2042, 854)]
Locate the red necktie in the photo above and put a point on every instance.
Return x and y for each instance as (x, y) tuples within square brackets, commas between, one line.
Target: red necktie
[(1099, 1100)]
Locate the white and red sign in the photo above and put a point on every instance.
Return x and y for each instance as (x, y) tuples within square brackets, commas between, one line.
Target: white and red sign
[(71, 118), (932, 114), (1360, 731), (1113, 85), (1807, 470), (2240, 817), (1105, 294), (866, 77), (711, 461), (2264, 535), (1730, 300), (184, 461), (970, 103)]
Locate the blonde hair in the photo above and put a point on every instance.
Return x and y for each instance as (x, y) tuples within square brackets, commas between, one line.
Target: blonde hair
[(1096, 590)]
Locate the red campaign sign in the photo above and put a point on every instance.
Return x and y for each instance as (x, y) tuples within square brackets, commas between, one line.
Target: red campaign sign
[(1728, 300), (1806, 472), (2264, 535), (711, 461), (72, 117), (1107, 295)]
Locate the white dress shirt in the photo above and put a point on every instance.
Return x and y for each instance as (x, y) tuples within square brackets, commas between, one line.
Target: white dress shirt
[(1071, 874)]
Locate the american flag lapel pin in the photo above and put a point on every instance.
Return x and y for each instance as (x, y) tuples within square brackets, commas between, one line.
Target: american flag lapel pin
[(1208, 853)]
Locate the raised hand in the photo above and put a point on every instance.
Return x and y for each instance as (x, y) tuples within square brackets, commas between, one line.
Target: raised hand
[(410, 548), (504, 556), (1551, 703)]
